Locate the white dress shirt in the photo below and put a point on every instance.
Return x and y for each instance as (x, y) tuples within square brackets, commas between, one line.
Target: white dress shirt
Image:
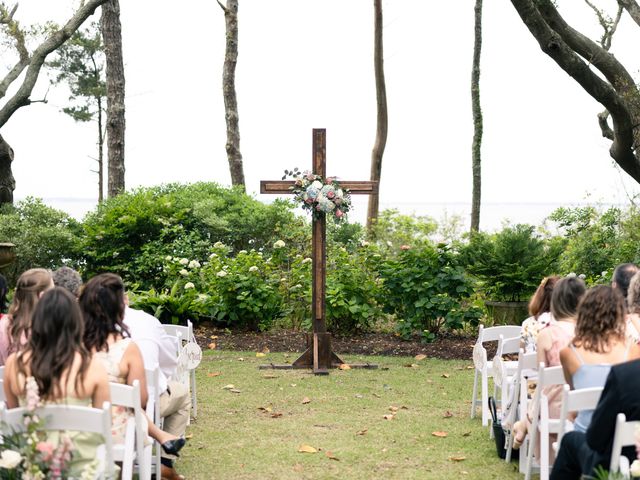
[(157, 347)]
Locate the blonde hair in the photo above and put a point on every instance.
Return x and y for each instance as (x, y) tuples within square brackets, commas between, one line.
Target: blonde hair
[(633, 295), (28, 289)]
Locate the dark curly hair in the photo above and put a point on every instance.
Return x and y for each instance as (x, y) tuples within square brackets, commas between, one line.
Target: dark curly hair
[(601, 318), (102, 304), (541, 300), (55, 338)]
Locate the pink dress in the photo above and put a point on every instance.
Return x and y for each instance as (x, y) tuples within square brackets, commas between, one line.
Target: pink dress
[(5, 338), (111, 361)]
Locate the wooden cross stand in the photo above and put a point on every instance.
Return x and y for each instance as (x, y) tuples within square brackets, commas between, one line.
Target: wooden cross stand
[(319, 354)]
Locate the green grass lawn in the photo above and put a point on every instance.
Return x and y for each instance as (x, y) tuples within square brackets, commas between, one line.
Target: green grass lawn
[(254, 430)]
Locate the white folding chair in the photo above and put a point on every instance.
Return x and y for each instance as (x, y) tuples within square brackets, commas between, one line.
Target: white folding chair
[(185, 335), (484, 368), (153, 412), (134, 447), (623, 437), (504, 370), (70, 417), (527, 369), (541, 423), (575, 401)]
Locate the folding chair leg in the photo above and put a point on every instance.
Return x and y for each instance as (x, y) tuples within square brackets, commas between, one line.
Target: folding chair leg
[(544, 455), (194, 397), (475, 395), (485, 399)]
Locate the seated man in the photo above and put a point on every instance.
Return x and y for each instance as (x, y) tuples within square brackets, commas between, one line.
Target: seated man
[(580, 453), (158, 350)]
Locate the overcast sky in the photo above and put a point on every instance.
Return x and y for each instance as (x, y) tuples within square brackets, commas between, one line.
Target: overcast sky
[(308, 63)]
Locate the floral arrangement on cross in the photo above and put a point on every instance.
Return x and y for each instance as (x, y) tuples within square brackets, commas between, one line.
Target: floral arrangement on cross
[(319, 196), (28, 454)]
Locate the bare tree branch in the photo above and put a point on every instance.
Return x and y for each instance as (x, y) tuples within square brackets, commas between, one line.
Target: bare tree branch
[(52, 42), (632, 8), (224, 9), (608, 25), (603, 118), (13, 29)]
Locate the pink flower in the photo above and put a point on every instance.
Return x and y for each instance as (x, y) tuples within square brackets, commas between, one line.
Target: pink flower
[(309, 200), (311, 177), (330, 180), (46, 448), (339, 213), (405, 247), (331, 194)]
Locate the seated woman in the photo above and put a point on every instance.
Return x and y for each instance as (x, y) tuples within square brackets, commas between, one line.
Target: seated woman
[(600, 341), (540, 311), (61, 367), (551, 340), (633, 309), (102, 302), (14, 327)]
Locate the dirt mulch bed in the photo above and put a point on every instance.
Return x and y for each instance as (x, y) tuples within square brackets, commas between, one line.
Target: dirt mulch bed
[(448, 347)]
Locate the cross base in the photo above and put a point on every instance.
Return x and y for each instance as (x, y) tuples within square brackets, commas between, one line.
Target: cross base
[(318, 356)]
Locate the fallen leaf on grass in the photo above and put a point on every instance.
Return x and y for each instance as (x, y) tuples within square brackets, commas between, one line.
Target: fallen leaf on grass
[(447, 414), (228, 387), (362, 432), (276, 415), (214, 374), (404, 408), (189, 436), (393, 408), (344, 366), (241, 359), (376, 395), (265, 350), (358, 395), (306, 449), (265, 409), (260, 354), (439, 434), (269, 375), (420, 357), (388, 417), (470, 367), (212, 346), (294, 385), (457, 459), (235, 390), (306, 400), (213, 337), (331, 456), (445, 375), (466, 434), (412, 365)]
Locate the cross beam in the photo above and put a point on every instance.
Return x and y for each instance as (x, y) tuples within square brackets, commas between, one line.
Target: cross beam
[(319, 354)]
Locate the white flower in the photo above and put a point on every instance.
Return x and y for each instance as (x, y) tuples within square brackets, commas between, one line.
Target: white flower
[(194, 264), (634, 470), (10, 459), (389, 244), (253, 268), (202, 296), (242, 252), (184, 261), (168, 258), (189, 285), (316, 184), (221, 274), (184, 272), (306, 260), (364, 243), (218, 244), (213, 255), (278, 244)]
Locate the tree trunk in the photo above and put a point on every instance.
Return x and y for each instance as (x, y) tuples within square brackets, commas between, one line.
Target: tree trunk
[(7, 182), (382, 119), (229, 93), (112, 36), (477, 120), (100, 154)]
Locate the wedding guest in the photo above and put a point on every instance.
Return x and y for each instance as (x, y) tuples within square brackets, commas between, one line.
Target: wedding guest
[(551, 339), (67, 277), (633, 308), (15, 327), (540, 311), (622, 277), (62, 368), (580, 453), (107, 338), (600, 341)]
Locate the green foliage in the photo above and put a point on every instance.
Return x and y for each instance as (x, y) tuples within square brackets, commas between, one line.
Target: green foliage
[(44, 237), (353, 290), (395, 229), (132, 233), (512, 262), (427, 289)]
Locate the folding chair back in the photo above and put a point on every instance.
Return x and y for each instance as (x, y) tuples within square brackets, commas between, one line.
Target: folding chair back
[(542, 424), (484, 368), (576, 401), (129, 396), (153, 411), (184, 335), (623, 437), (69, 417)]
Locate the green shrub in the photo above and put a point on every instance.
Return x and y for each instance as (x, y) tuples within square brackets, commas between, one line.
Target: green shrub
[(510, 263), (427, 290), (44, 237)]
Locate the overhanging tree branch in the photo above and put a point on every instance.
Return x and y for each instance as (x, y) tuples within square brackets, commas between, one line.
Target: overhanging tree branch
[(14, 30), (632, 8), (52, 42)]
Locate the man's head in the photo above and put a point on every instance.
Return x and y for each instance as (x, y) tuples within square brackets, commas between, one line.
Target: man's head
[(622, 276), (68, 278)]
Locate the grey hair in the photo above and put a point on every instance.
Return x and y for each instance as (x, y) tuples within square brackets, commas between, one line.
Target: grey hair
[(68, 278)]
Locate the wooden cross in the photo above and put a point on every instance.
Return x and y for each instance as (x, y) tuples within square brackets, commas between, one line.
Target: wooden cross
[(319, 354)]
